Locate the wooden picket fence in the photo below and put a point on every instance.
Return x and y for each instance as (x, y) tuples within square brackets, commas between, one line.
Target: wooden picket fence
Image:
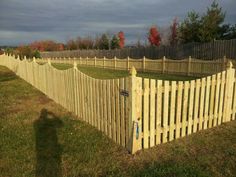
[(134, 112), (189, 66)]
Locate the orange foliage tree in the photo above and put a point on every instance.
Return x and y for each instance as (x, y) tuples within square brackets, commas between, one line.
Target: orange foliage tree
[(173, 28), (46, 45), (154, 36), (121, 37)]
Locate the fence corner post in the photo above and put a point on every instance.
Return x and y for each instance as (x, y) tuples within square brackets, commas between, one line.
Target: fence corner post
[(230, 72), (134, 143)]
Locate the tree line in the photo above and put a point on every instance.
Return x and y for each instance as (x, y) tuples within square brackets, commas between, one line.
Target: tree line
[(195, 27)]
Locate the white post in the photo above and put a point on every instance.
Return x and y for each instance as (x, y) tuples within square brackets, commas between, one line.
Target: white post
[(230, 72), (134, 141)]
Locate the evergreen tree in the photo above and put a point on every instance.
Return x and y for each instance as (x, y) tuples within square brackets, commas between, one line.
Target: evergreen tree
[(115, 42), (212, 23), (104, 42), (189, 30)]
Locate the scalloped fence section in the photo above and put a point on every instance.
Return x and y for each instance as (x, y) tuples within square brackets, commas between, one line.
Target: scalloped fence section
[(134, 112), (189, 66)]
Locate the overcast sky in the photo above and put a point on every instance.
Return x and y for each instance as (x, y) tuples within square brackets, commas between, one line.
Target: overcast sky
[(23, 21)]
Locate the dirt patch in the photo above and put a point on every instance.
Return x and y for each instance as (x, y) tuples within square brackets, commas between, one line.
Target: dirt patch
[(42, 99)]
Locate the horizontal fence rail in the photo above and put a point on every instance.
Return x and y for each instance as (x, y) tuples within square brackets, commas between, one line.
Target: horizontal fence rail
[(189, 66), (134, 112), (207, 51)]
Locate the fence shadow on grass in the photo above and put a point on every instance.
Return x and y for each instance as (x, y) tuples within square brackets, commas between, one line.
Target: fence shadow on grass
[(48, 149)]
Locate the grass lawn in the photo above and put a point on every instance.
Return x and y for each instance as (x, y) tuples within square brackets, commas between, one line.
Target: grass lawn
[(102, 73), (40, 138)]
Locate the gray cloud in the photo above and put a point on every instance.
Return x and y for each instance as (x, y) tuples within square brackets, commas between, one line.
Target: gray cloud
[(23, 21)]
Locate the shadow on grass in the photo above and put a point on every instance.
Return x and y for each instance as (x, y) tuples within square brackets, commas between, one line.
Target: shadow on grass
[(7, 76), (48, 149)]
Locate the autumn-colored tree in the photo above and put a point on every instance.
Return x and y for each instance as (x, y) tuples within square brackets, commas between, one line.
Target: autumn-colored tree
[(24, 51), (46, 45), (121, 37), (85, 43), (71, 45), (154, 36), (173, 36)]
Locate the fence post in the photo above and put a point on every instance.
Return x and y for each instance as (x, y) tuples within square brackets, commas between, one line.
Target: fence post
[(49, 61), (228, 92), (224, 64), (134, 141), (163, 64), (144, 60), (127, 63), (104, 62), (189, 65), (95, 58), (115, 62)]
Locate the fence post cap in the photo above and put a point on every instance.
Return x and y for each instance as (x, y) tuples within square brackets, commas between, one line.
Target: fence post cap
[(144, 57), (229, 65), (133, 71), (33, 59), (164, 57)]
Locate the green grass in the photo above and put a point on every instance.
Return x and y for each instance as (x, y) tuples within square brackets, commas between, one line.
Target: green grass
[(101, 73), (40, 138)]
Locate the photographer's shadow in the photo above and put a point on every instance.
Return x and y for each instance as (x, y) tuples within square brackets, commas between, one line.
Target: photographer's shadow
[(48, 149)]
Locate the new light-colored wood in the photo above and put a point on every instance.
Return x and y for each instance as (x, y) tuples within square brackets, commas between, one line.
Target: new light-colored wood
[(152, 111), (138, 113), (159, 111), (185, 108), (179, 108), (196, 106), (146, 113)]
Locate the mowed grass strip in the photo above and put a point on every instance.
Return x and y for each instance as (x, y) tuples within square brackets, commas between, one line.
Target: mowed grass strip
[(40, 138), (105, 73)]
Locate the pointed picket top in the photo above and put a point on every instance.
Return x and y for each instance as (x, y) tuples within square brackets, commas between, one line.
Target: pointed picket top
[(133, 71), (229, 65)]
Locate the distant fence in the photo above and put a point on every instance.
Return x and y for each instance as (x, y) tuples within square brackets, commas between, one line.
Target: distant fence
[(209, 51), (136, 113), (189, 66)]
